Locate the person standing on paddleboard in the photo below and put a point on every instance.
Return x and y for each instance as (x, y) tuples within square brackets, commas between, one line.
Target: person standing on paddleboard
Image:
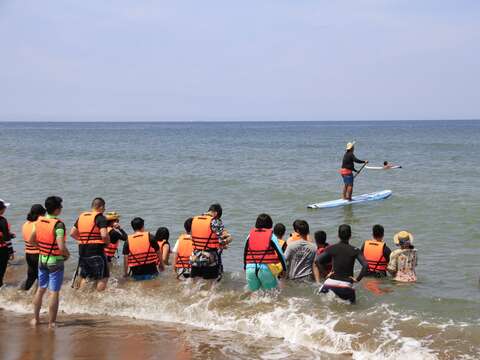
[(348, 168)]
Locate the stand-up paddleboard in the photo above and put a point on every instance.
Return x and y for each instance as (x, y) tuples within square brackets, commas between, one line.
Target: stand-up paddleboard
[(382, 168), (379, 195)]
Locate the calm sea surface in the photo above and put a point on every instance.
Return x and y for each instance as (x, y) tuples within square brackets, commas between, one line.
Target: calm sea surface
[(166, 172)]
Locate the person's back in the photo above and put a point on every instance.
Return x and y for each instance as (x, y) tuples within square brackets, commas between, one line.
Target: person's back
[(403, 261), (376, 253), (183, 251), (300, 253), (279, 231)]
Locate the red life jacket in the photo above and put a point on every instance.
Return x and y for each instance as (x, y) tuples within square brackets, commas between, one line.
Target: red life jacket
[(260, 249), (328, 267)]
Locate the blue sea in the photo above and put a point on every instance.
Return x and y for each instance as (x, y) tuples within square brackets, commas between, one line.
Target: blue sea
[(167, 172)]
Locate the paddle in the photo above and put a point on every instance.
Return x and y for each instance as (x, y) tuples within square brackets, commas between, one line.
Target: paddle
[(359, 171)]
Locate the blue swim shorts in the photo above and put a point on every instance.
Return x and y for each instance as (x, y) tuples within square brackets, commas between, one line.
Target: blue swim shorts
[(51, 277), (348, 179)]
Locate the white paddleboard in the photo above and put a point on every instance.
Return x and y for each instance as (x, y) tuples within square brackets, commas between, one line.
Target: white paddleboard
[(379, 195), (382, 168)]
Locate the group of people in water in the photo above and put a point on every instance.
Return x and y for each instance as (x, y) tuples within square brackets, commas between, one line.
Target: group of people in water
[(269, 255)]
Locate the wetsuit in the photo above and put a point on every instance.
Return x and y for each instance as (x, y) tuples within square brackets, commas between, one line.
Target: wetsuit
[(343, 256)]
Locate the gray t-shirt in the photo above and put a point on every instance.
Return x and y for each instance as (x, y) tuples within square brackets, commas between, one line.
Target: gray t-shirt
[(300, 256)]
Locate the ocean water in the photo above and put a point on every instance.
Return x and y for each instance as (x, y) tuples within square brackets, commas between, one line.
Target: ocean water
[(166, 172)]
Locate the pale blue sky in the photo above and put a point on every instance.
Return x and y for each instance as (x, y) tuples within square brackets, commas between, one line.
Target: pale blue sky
[(244, 60)]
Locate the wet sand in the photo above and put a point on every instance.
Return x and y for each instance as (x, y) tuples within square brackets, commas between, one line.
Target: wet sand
[(87, 337)]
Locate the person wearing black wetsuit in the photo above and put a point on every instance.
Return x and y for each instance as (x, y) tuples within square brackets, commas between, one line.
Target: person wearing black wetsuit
[(343, 256), (348, 168), (6, 249)]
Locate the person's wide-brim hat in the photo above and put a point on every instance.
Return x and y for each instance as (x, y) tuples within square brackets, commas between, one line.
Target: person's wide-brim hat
[(403, 237), (5, 204), (350, 145)]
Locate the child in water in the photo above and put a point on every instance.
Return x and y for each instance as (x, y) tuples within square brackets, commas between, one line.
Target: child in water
[(403, 261), (161, 237)]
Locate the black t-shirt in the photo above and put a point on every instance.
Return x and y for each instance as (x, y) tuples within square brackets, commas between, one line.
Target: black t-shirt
[(117, 234), (147, 269), (6, 237), (343, 258), (349, 159), (86, 250)]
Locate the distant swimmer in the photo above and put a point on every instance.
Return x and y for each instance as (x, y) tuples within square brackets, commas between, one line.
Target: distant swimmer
[(263, 258), (49, 235), (209, 238), (183, 251), (403, 261), (115, 233), (161, 236), (348, 168), (388, 166), (6, 249), (31, 250), (90, 231), (142, 254), (376, 252), (343, 256)]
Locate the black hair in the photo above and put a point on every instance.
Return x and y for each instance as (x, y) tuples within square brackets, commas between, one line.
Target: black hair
[(137, 223), (378, 231), (320, 237), (216, 208), (344, 232), (2, 205), (53, 203), (162, 234), (187, 225), (97, 203), (301, 227), (264, 221), (36, 211), (385, 163), (279, 230)]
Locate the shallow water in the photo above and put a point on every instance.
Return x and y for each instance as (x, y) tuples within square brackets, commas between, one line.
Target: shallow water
[(168, 172)]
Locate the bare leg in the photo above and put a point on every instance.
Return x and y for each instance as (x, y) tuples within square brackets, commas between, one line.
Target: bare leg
[(82, 283), (53, 308), (37, 305), (344, 194), (102, 284), (349, 192)]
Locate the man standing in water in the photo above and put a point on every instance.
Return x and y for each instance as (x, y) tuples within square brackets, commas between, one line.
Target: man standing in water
[(348, 167), (343, 256)]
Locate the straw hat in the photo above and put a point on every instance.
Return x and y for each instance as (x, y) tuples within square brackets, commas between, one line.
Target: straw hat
[(402, 238), (112, 215), (350, 145)]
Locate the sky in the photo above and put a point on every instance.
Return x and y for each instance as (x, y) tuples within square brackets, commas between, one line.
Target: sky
[(182, 60)]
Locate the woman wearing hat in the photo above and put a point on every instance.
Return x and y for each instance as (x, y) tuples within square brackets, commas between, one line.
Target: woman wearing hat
[(404, 260), (348, 168)]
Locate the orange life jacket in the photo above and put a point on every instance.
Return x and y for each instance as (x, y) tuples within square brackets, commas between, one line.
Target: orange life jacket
[(373, 252), (140, 250), (203, 237), (89, 233), (283, 244), (346, 172), (184, 251), (27, 229), (111, 249), (46, 237), (260, 249)]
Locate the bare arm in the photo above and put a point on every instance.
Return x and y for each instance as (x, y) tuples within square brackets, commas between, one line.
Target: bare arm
[(160, 260), (74, 233), (105, 236), (63, 247)]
